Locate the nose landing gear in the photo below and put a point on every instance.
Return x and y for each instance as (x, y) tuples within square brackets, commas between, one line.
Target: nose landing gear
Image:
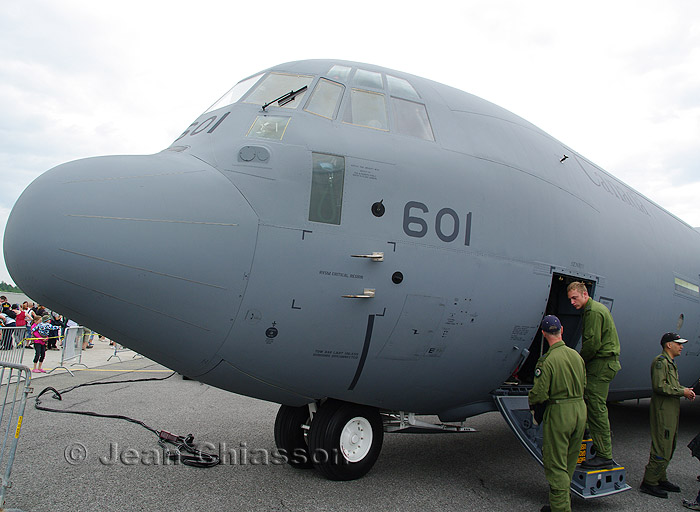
[(343, 440)]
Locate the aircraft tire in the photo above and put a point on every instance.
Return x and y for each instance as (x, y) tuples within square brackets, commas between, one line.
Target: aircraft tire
[(289, 435), (345, 440)]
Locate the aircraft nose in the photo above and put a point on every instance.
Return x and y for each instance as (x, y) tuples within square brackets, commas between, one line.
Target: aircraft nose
[(151, 251)]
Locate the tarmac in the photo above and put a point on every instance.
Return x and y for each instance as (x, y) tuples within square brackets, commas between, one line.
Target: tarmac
[(101, 354), (81, 463)]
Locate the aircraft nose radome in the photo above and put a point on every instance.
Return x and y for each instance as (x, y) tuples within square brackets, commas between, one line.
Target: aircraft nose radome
[(152, 251)]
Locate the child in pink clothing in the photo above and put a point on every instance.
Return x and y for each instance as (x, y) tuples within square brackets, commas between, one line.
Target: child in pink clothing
[(39, 332)]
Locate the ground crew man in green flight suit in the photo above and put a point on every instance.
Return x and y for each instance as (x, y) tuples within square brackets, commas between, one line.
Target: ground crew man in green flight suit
[(600, 349), (664, 410), (560, 379)]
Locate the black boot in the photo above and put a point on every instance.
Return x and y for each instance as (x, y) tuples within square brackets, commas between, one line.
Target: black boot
[(668, 486), (597, 463), (654, 490)]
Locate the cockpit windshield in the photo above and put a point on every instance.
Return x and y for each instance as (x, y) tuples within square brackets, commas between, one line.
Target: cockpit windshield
[(356, 96), (236, 93), (276, 85)]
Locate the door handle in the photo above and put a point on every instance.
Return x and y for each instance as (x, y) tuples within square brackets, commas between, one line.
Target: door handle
[(375, 256), (368, 293)]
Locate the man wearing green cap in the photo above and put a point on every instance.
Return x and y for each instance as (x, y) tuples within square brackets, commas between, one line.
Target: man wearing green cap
[(560, 378), (664, 411)]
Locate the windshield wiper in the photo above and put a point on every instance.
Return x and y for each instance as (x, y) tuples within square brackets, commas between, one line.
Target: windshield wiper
[(285, 98)]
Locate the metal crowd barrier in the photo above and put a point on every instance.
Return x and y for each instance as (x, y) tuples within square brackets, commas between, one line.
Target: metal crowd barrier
[(72, 348), (11, 416), (12, 344), (118, 349)]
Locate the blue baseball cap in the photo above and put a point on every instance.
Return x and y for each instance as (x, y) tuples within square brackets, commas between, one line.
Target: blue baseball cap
[(551, 324)]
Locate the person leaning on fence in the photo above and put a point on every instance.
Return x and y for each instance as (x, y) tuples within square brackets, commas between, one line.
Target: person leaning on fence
[(40, 333), (21, 318), (8, 313), (7, 321), (4, 305), (28, 317), (20, 321)]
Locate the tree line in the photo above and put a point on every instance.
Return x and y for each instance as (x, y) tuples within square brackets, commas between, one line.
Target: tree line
[(4, 287)]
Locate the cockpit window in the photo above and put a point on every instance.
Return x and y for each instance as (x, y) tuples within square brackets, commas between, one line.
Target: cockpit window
[(411, 118), (339, 73), (276, 85), (364, 78), (327, 177), (269, 127), (324, 98), (401, 88), (236, 93), (367, 109)]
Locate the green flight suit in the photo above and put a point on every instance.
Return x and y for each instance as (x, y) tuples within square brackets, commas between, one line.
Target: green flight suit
[(664, 411), (600, 349), (560, 378)]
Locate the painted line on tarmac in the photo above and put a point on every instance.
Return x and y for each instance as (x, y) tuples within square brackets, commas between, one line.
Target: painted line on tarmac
[(101, 370)]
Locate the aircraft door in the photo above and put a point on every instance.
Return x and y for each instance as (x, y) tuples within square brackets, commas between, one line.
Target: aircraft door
[(559, 305)]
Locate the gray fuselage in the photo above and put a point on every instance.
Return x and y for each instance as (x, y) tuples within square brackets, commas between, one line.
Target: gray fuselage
[(227, 256)]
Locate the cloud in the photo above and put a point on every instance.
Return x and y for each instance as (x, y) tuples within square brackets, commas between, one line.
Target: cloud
[(616, 81)]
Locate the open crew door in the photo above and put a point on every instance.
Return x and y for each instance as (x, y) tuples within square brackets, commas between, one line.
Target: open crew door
[(558, 304), (511, 399)]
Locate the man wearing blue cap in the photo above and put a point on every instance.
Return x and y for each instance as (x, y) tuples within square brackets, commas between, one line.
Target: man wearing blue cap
[(560, 379)]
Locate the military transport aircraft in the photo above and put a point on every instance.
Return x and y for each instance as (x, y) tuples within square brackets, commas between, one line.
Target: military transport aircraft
[(361, 246)]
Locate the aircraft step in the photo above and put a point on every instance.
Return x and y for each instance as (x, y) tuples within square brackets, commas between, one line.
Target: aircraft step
[(586, 483)]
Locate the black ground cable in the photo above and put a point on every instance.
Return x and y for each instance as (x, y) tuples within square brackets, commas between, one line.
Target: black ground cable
[(197, 458)]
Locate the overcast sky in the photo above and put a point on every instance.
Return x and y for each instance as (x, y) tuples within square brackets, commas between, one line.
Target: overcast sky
[(618, 81)]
